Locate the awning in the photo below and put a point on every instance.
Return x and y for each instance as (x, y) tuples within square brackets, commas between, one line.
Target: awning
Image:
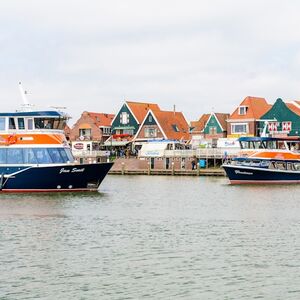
[(85, 126), (124, 128), (115, 143)]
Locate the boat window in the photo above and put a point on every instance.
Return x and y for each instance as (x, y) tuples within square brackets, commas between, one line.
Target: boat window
[(29, 157), (265, 163), (55, 155), (290, 166), (2, 123), (59, 124), (293, 146), (30, 124), (244, 145), (14, 156), (297, 166), (21, 124), (11, 123), (42, 155), (255, 163), (271, 145), (281, 165), (2, 156), (272, 165), (66, 154), (43, 123), (281, 145)]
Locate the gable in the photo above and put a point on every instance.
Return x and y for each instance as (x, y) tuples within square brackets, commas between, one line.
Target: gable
[(254, 108), (280, 112), (150, 120), (124, 119), (212, 123)]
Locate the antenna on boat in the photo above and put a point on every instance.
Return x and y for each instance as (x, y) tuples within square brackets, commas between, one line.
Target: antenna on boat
[(25, 105)]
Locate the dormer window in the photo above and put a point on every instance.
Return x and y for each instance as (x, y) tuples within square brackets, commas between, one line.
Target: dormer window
[(243, 110), (175, 128)]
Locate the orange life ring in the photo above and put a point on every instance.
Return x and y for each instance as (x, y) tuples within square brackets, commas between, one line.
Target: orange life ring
[(11, 139)]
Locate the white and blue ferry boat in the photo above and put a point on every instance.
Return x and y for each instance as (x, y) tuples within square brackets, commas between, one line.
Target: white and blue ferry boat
[(36, 157)]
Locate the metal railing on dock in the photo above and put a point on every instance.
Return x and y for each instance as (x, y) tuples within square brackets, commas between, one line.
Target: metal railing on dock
[(198, 172)]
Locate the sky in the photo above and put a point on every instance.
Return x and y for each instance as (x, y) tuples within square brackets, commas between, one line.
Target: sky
[(200, 56)]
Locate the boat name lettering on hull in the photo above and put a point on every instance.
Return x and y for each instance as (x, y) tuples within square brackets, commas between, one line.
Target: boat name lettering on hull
[(73, 170), (243, 172)]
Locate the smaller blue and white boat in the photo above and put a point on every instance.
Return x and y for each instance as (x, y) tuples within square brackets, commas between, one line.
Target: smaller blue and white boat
[(265, 160)]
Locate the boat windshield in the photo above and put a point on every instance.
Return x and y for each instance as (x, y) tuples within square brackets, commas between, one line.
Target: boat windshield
[(35, 155), (265, 144)]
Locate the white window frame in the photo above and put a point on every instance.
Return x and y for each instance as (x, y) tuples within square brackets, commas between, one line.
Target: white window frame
[(245, 108), (124, 118), (244, 132), (150, 132)]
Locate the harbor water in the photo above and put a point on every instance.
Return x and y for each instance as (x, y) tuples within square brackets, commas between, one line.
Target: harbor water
[(152, 237)]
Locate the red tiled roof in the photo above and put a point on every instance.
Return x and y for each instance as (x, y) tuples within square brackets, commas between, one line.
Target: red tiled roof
[(140, 109), (256, 108), (222, 118), (101, 119), (200, 124), (169, 121), (294, 108)]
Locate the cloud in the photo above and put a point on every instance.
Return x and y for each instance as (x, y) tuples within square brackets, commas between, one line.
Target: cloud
[(199, 55)]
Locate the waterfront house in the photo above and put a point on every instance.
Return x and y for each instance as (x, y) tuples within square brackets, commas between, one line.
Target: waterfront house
[(91, 130), (163, 125), (127, 121), (244, 121), (209, 128), (216, 126), (283, 119), (197, 127)]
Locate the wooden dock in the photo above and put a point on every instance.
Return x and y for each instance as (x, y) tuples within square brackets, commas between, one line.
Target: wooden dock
[(199, 172)]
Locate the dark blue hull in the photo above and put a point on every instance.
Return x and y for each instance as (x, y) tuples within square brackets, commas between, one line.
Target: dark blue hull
[(247, 175), (86, 177)]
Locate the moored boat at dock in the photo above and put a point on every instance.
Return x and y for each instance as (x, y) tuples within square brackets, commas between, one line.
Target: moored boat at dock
[(36, 157), (265, 160)]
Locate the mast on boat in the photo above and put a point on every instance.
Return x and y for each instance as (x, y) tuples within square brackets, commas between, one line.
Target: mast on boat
[(26, 106)]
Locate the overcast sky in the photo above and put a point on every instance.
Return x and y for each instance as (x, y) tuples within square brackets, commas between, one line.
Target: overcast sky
[(202, 56)]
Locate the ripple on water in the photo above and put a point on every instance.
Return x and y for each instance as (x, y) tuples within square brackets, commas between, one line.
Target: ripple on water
[(152, 238)]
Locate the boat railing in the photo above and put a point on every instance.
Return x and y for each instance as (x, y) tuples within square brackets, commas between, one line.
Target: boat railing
[(218, 153), (88, 153), (32, 131), (180, 153)]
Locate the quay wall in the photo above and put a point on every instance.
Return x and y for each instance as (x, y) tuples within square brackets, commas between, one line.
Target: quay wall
[(136, 166)]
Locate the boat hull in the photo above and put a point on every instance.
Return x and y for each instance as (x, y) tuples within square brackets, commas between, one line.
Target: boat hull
[(252, 175), (58, 178)]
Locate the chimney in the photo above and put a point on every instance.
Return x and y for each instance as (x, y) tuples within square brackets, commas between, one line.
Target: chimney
[(174, 109)]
